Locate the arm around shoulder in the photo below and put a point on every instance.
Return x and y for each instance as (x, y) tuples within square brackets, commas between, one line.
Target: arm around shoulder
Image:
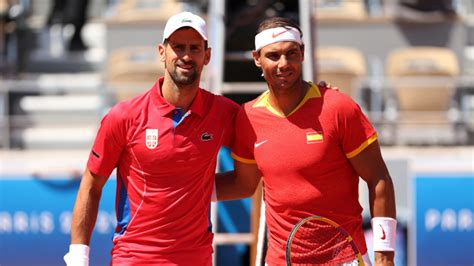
[(237, 184)]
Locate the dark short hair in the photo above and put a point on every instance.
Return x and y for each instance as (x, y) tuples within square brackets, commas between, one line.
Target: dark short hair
[(275, 22)]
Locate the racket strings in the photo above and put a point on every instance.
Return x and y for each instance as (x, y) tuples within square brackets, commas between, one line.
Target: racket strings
[(319, 243)]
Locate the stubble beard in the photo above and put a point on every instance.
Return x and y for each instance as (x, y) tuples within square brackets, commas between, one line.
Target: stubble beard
[(287, 84), (180, 79), (285, 87)]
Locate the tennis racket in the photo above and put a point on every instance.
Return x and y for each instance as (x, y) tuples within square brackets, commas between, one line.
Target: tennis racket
[(316, 240)]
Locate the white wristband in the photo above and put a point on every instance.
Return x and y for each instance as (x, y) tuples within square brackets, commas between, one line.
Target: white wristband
[(384, 230), (214, 193), (78, 255)]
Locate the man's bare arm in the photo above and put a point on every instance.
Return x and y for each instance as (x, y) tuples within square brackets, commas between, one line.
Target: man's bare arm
[(237, 184), (86, 207), (370, 165)]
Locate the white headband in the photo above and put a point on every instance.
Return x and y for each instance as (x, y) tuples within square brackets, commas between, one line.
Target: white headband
[(273, 35)]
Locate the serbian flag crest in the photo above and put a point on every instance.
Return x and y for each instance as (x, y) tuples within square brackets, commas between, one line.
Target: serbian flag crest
[(151, 140)]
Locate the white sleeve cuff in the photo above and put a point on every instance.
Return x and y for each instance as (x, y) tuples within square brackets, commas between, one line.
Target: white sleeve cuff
[(384, 230)]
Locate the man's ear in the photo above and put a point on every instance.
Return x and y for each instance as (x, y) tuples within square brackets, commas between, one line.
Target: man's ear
[(256, 58), (161, 52), (302, 51), (207, 58)]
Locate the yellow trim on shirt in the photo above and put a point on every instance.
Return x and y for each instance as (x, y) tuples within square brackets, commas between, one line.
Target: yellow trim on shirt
[(313, 92), (242, 160), (314, 136), (262, 101), (362, 146)]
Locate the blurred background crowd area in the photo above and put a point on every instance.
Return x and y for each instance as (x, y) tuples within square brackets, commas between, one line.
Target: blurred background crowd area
[(408, 63)]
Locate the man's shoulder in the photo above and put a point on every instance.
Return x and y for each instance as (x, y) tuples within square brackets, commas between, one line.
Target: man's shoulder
[(337, 97), (337, 102), (221, 102), (130, 107)]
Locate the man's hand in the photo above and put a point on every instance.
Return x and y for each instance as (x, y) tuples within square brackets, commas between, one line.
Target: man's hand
[(325, 84)]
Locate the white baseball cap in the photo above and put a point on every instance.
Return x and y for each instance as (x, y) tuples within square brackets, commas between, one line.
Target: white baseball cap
[(185, 19)]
